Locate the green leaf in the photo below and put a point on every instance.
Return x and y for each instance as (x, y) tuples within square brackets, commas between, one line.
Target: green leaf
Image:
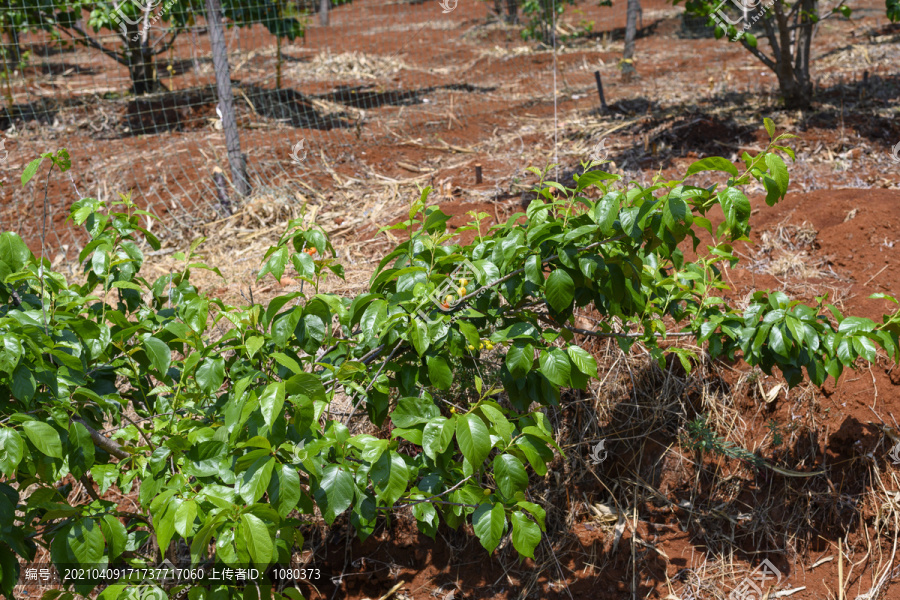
[(592, 177), (13, 251), (255, 480), (23, 384), (473, 437), (713, 163), (510, 475), (606, 211), (586, 363), (439, 372), (85, 542), (338, 489), (526, 534), (162, 509), (210, 375), (856, 325), (437, 436), (306, 384), (80, 450), (159, 353), (257, 539), (677, 216), (11, 451), (489, 523), (184, 518), (254, 343), (469, 331), (560, 290), (535, 510), (390, 476), (555, 366), (536, 451), (115, 534), (412, 411), (304, 264), (275, 264), (284, 490), (519, 359), (287, 362), (100, 262), (44, 437), (271, 402), (105, 476), (779, 173), (777, 342), (770, 126), (534, 270), (30, 170), (865, 347), (418, 335), (736, 208)]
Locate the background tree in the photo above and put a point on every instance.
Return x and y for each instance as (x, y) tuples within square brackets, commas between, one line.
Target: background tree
[(221, 413), (543, 16), (789, 30), (512, 11), (81, 21), (634, 11)]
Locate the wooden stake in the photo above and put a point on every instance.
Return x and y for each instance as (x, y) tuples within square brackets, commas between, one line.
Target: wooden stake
[(477, 174), (840, 571), (600, 90), (226, 97), (392, 590)]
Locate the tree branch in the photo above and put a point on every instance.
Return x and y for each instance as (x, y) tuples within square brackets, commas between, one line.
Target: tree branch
[(168, 45), (104, 443), (770, 34), (762, 57), (611, 334), (512, 274), (86, 39)]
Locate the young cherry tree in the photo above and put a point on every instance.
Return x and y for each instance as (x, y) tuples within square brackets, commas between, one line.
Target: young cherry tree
[(789, 26), (221, 415), (144, 29)]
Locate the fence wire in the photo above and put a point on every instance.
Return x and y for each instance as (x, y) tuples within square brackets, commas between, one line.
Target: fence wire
[(129, 88)]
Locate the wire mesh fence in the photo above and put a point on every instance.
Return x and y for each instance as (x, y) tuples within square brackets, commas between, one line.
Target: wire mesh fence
[(129, 87)]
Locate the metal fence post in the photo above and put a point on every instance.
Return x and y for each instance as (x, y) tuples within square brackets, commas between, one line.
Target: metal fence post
[(226, 98)]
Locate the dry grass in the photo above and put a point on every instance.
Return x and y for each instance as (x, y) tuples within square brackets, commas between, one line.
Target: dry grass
[(786, 251)]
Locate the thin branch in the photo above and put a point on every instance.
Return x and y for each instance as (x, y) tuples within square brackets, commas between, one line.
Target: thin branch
[(168, 45), (104, 443), (371, 383), (512, 274), (612, 334), (85, 38), (770, 34), (89, 487), (443, 502), (140, 431), (762, 57)]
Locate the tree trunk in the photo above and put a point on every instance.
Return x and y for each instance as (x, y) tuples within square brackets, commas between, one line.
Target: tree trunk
[(142, 67), (548, 26), (226, 97), (15, 54), (512, 12), (634, 9), (792, 68), (278, 61), (324, 7)]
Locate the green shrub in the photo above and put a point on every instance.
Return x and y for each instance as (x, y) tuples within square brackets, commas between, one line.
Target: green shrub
[(228, 438)]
